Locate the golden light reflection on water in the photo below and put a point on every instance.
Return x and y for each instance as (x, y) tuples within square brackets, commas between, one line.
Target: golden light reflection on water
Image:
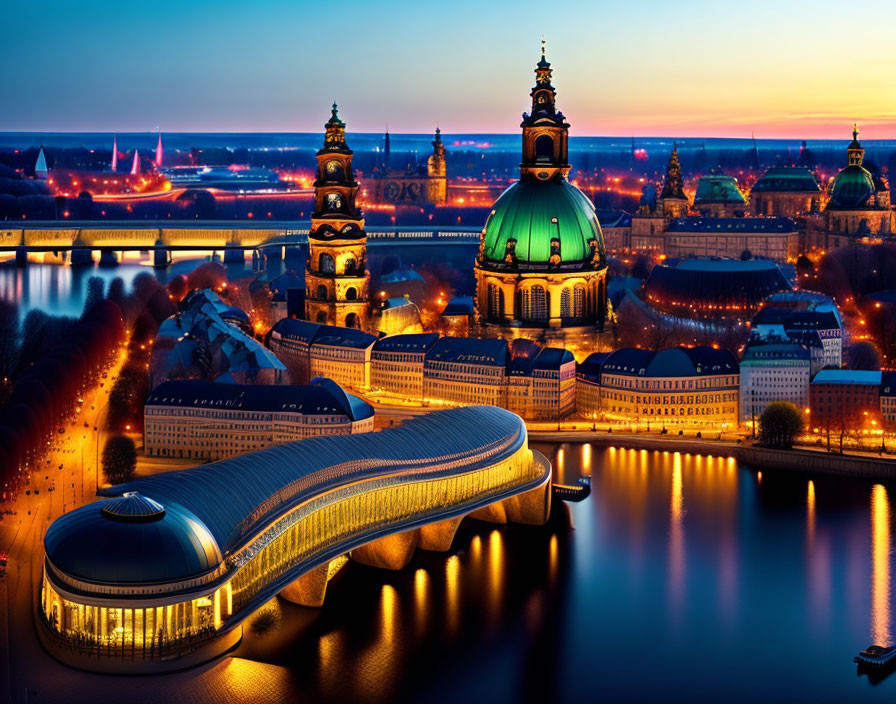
[(495, 582), (452, 595), (676, 532), (329, 654), (586, 459), (810, 514), (880, 566), (553, 560), (421, 601)]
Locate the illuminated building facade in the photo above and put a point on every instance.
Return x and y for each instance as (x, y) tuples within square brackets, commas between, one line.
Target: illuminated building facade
[(396, 364), (859, 203), (336, 277), (798, 324), (466, 371), (206, 420), (786, 191), (888, 400), (773, 372), (413, 186), (541, 272), (397, 315), (649, 223), (542, 387), (767, 237), (845, 400), (163, 574), (684, 386)]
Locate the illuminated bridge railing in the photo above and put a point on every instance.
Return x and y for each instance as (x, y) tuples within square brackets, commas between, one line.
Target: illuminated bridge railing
[(296, 535)]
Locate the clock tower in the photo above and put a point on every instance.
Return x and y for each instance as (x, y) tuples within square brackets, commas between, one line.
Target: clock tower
[(336, 278), (545, 131)]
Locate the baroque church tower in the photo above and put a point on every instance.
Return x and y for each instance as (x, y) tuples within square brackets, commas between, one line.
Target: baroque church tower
[(336, 278), (545, 131), (437, 171), (673, 203)]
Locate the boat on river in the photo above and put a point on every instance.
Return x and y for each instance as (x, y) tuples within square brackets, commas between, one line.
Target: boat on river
[(876, 657)]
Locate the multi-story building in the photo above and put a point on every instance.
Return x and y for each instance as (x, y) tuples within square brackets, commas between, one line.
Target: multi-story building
[(343, 355), (466, 371), (588, 403), (695, 386), (337, 282), (797, 324), (888, 400), (773, 371), (396, 364), (767, 237), (310, 350), (542, 387), (786, 191), (845, 401), (205, 420)]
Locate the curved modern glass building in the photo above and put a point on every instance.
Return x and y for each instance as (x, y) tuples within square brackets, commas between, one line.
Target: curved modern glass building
[(164, 571)]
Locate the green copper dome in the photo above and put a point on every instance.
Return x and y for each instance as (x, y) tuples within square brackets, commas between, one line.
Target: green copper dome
[(534, 212), (852, 188)]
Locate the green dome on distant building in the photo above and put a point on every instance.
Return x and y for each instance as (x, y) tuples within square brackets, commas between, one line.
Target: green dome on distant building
[(718, 188), (535, 212), (852, 188), (854, 185)]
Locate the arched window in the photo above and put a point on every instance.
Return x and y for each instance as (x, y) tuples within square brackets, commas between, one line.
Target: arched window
[(322, 317), (566, 303), (534, 303), (325, 264), (352, 321), (578, 302), (495, 302), (321, 292), (544, 148), (351, 294), (351, 267)]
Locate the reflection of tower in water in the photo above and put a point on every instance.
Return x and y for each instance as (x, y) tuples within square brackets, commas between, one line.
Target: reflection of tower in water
[(880, 566)]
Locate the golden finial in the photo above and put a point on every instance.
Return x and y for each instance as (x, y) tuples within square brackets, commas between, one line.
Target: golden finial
[(542, 46), (855, 131)]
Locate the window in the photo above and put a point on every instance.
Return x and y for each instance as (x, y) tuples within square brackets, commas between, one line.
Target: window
[(566, 303), (325, 264)]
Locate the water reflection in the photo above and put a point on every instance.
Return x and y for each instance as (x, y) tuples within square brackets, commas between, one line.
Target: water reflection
[(880, 566), (676, 535)]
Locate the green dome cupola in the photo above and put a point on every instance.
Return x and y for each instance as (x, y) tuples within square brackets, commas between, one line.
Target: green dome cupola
[(854, 185)]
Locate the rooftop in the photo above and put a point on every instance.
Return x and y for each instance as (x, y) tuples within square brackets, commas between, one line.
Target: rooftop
[(792, 179), (847, 376), (731, 225), (419, 342), (469, 349), (718, 188)]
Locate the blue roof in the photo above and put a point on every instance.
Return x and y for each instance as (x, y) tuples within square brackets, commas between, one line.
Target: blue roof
[(774, 351), (314, 399), (214, 509), (468, 349), (552, 358), (692, 361), (400, 275), (459, 305), (299, 330), (419, 342), (590, 369), (628, 360), (315, 333), (888, 384), (847, 376)]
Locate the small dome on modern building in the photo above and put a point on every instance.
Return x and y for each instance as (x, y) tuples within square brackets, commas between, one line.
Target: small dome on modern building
[(131, 539), (533, 213)]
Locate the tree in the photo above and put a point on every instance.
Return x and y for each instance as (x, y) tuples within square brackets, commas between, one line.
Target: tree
[(863, 356), (780, 424), (119, 459)]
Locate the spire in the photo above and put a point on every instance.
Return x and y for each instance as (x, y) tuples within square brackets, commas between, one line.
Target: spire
[(135, 166), (855, 154), (545, 130), (114, 152), (335, 130), (158, 160), (40, 166), (673, 185), (438, 149), (387, 150)]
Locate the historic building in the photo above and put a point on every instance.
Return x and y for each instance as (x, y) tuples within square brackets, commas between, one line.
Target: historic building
[(859, 202), (719, 196), (416, 185), (773, 371), (541, 272), (650, 221), (542, 387), (207, 420), (768, 237), (690, 386), (786, 191), (396, 364), (336, 278)]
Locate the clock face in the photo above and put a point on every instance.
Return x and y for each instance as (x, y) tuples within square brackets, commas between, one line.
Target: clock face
[(332, 168), (391, 191), (334, 201)]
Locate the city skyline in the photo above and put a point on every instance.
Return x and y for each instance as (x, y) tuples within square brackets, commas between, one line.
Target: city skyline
[(275, 67)]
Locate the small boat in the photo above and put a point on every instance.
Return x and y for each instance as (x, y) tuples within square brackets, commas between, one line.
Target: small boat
[(876, 657)]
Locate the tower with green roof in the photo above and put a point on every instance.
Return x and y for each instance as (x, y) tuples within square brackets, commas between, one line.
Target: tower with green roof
[(541, 270)]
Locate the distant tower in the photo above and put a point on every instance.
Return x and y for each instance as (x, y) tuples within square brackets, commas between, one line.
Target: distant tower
[(673, 202), (437, 171), (114, 152), (158, 160), (336, 278), (135, 165), (40, 166), (387, 152)]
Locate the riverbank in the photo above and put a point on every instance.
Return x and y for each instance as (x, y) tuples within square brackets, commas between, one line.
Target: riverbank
[(805, 461)]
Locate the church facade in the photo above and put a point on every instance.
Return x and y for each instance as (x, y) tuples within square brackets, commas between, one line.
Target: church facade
[(416, 185)]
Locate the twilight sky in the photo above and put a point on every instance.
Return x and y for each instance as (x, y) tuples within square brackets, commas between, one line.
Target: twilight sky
[(781, 68)]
